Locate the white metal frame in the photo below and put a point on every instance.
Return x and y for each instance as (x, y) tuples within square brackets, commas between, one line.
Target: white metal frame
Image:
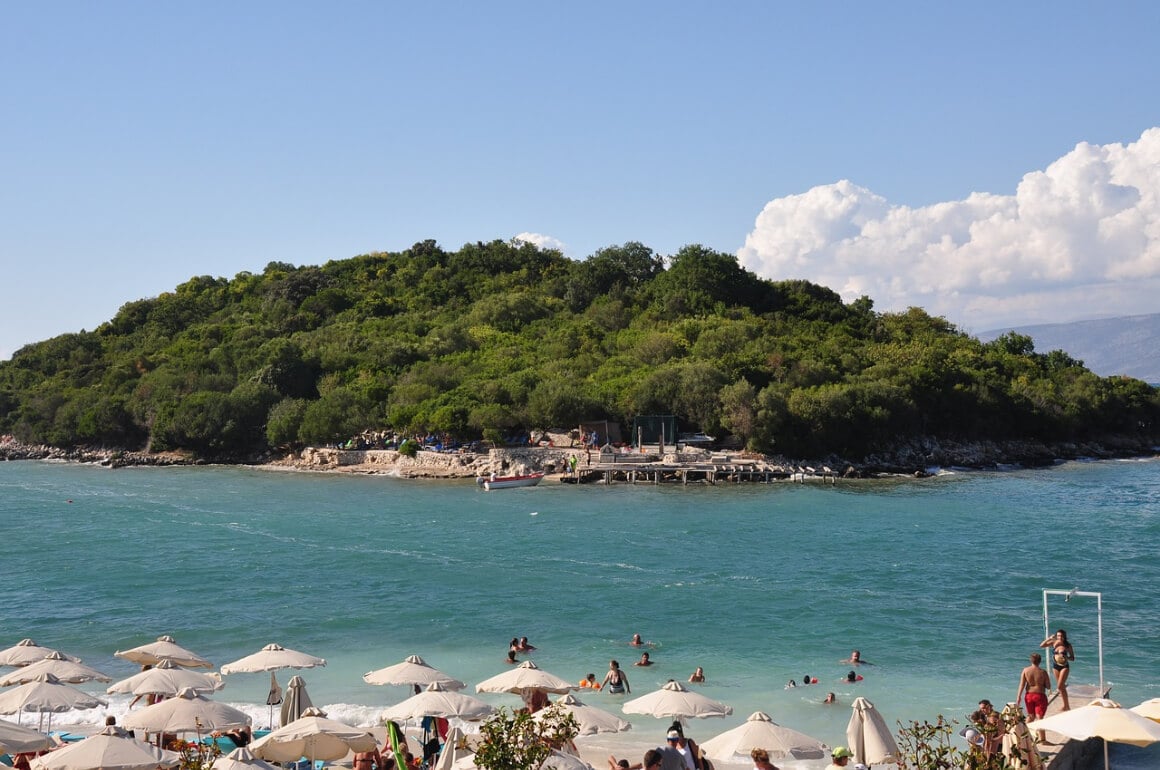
[(1067, 597)]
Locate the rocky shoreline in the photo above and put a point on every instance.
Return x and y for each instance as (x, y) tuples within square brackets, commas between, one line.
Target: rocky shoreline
[(913, 458)]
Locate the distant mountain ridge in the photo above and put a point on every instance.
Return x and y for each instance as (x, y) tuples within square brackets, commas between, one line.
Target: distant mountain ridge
[(1126, 345)]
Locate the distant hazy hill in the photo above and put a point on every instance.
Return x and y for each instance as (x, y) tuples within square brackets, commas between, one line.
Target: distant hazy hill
[(1128, 345)]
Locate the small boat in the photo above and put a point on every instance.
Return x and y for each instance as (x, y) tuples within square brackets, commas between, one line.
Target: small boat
[(508, 482)]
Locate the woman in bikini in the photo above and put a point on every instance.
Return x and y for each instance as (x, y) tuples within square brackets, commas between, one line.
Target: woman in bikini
[(368, 760), (615, 681), (1062, 654)]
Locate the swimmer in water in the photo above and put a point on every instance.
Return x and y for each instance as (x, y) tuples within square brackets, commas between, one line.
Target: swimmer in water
[(855, 659)]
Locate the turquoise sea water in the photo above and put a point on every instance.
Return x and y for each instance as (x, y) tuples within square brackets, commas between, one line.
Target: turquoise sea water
[(938, 582)]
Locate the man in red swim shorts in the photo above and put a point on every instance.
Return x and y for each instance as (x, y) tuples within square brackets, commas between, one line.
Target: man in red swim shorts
[(1033, 686)]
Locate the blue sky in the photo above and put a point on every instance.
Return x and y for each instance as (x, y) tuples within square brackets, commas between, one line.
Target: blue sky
[(989, 161)]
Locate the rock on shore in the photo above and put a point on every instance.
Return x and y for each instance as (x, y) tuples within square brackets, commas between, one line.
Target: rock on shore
[(428, 465), (10, 449)]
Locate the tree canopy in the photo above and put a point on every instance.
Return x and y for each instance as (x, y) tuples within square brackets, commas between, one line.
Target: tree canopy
[(505, 336)]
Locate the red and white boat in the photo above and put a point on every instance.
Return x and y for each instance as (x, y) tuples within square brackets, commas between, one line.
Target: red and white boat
[(508, 482)]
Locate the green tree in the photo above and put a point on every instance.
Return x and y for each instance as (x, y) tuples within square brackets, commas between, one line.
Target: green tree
[(285, 421), (739, 410), (335, 416)]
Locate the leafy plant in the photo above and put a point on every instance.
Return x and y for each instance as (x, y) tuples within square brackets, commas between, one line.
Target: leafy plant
[(196, 755), (927, 746), (513, 740)]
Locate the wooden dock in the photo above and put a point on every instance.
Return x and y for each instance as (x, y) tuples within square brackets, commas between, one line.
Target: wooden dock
[(717, 471)]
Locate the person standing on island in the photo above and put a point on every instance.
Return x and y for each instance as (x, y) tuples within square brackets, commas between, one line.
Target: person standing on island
[(615, 681), (1062, 654), (1033, 686)]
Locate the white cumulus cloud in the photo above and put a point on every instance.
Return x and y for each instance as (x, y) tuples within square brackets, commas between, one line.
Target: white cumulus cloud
[(1080, 239), (541, 241)]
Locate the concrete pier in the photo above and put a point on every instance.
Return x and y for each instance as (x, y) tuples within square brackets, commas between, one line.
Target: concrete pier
[(721, 471)]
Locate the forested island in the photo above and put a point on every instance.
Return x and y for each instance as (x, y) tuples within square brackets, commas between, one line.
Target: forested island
[(501, 338)]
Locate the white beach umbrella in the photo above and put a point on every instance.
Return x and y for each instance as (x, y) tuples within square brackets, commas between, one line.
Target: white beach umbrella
[(436, 701), (167, 678), (315, 737), (296, 702), (15, 739), (413, 670), (272, 657), (165, 648), (676, 700), (1149, 709), (25, 652), (760, 731), (274, 696), (589, 719), (46, 695), (868, 735), (1105, 719), (525, 678), (242, 759), (110, 749), (60, 666), (455, 748), (186, 712)]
